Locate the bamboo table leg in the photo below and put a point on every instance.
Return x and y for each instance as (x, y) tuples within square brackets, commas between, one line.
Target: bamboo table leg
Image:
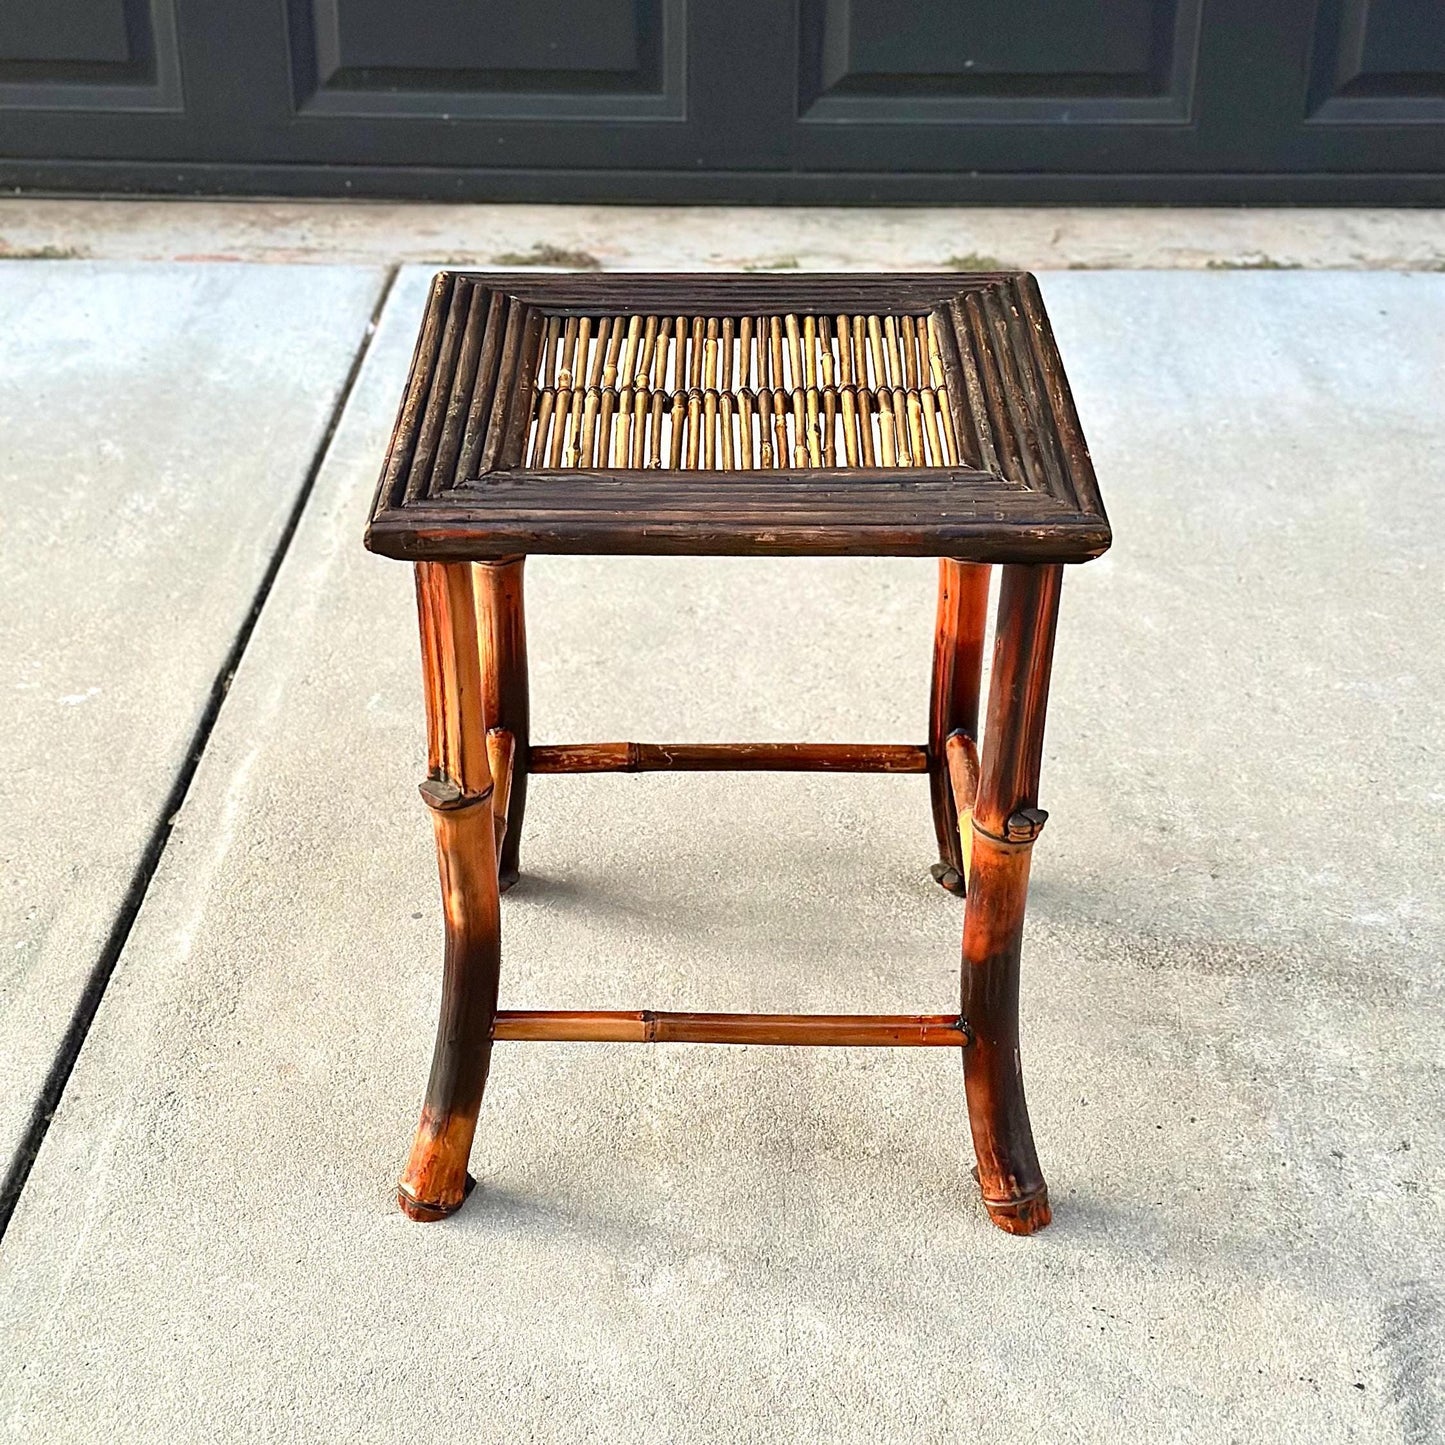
[(502, 633), (1006, 821), (953, 706), (458, 791)]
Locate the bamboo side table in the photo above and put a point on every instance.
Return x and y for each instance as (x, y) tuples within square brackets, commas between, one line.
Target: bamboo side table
[(912, 415)]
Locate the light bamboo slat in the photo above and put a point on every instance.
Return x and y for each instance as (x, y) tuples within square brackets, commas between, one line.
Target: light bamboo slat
[(709, 393)]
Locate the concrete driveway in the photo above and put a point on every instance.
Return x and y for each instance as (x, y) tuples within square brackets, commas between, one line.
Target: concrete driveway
[(1233, 1008)]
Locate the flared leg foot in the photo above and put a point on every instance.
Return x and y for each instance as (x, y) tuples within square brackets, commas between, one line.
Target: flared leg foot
[(1021, 1216), (420, 1213), (435, 1183)]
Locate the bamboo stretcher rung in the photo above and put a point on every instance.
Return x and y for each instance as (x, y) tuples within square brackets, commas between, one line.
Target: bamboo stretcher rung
[(728, 757), (740, 393), (649, 1027)]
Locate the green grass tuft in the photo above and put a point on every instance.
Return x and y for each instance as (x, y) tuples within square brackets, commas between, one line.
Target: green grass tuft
[(542, 254), (1252, 263), (976, 261), (40, 253)]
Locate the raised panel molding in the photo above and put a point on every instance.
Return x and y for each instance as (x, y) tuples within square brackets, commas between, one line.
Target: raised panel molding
[(1378, 62), (464, 60), (921, 61), (88, 55)]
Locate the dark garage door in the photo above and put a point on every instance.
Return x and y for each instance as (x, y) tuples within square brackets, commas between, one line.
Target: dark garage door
[(742, 100)]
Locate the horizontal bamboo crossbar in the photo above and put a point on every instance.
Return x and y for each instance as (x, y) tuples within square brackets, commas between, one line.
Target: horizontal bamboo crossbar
[(741, 393), (649, 1027), (728, 757)]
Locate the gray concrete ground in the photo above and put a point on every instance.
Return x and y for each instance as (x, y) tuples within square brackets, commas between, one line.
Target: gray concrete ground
[(1233, 997), (158, 423)]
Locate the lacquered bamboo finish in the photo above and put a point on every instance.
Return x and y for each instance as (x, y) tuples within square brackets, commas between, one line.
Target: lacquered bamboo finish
[(961, 757), (501, 757), (729, 757), (651, 1027), (756, 415), (458, 793), (954, 699), (1006, 809), (502, 639)]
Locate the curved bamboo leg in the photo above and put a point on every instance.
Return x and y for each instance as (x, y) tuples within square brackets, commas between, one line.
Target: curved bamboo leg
[(1006, 821), (502, 634), (953, 702), (458, 791)]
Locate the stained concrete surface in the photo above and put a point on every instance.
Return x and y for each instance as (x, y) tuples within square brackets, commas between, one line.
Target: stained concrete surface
[(1232, 1002), (689, 238), (156, 426)]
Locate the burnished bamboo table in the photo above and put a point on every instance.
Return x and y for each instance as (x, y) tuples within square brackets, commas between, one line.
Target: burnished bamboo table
[(901, 416)]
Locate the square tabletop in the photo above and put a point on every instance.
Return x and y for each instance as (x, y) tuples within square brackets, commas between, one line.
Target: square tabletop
[(890, 415)]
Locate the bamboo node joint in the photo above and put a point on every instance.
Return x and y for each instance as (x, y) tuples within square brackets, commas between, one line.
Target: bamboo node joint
[(1020, 828), (1025, 825), (442, 795)]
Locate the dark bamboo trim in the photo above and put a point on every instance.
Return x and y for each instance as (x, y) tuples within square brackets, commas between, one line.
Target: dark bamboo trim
[(444, 469), (1017, 347), (649, 1027), (884, 416), (517, 422), (1006, 820), (729, 757), (1063, 414), (438, 404), (509, 383), (484, 389), (954, 701), (459, 789), (1016, 420), (992, 418), (911, 521), (698, 295), (397, 469)]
